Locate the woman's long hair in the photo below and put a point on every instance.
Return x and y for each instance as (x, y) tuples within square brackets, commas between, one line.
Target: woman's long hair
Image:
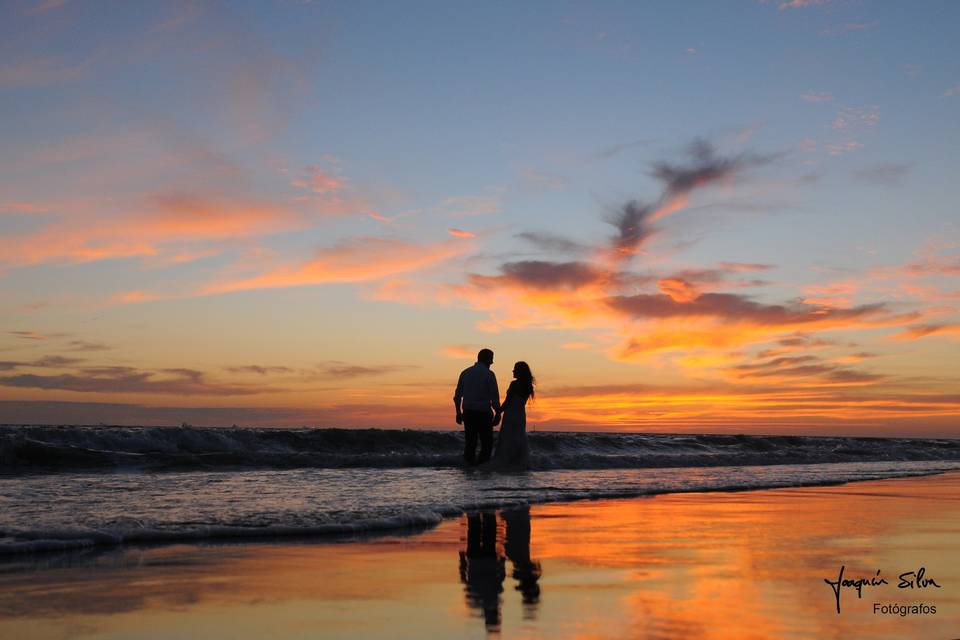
[(525, 377)]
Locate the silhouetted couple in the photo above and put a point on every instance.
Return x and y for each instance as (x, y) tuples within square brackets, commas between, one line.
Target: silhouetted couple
[(477, 400)]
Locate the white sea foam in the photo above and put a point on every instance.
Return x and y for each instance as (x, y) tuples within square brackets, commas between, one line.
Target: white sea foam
[(60, 511)]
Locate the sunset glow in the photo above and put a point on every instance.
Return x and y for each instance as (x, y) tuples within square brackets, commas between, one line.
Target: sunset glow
[(310, 213)]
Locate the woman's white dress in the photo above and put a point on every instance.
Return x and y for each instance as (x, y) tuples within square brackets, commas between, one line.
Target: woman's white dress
[(513, 452)]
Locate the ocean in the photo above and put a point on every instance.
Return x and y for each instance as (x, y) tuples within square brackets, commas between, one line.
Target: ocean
[(73, 487)]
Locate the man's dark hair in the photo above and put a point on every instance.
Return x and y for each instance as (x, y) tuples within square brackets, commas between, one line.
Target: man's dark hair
[(485, 356)]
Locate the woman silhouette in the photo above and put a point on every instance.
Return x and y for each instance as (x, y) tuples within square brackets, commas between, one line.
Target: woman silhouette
[(513, 452)]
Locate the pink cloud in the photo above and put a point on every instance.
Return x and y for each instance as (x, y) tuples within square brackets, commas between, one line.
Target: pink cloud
[(320, 181), (23, 207)]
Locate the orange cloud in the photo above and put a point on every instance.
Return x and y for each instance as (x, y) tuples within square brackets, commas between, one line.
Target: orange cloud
[(923, 330), (357, 260), (460, 233), (678, 289), (460, 351), (167, 223)]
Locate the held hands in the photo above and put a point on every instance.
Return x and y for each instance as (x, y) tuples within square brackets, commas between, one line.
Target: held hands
[(496, 418), (459, 418)]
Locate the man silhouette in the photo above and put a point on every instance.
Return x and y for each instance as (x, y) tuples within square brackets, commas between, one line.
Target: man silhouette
[(476, 398)]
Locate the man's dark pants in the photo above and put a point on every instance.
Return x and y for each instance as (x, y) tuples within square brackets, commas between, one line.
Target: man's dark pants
[(478, 425)]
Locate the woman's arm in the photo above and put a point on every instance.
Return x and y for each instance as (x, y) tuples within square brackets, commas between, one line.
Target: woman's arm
[(506, 401)]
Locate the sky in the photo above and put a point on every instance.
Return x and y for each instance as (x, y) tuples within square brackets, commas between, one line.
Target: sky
[(734, 217)]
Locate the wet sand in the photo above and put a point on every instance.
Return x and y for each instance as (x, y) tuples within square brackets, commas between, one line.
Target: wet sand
[(703, 565)]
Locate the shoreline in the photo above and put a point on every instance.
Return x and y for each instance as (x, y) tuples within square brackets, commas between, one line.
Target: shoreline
[(746, 564), (409, 525)]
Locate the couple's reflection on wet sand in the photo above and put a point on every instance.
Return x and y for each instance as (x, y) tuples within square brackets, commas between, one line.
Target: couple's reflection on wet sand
[(483, 563)]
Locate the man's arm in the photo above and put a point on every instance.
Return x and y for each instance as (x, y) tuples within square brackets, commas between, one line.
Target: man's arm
[(457, 397)]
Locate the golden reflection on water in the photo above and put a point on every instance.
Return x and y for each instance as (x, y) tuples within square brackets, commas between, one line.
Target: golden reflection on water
[(723, 565)]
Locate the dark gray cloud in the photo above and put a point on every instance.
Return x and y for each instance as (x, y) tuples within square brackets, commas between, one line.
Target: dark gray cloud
[(46, 362), (83, 345), (260, 370), (62, 412), (633, 219), (706, 167), (735, 308), (806, 366), (552, 242), (36, 335), (632, 222), (56, 361), (546, 275), (118, 379)]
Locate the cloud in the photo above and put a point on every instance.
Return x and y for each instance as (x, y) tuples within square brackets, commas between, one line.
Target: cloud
[(32, 335), (633, 226), (810, 369), (42, 71), (55, 361), (460, 351), (319, 181), (552, 242), (853, 117), (838, 149), (739, 309), (815, 96), (356, 260), (930, 264), (785, 5), (745, 266), (916, 332), (45, 5), (131, 380), (460, 233), (847, 28), (541, 274), (161, 225), (340, 369), (617, 149), (258, 369), (706, 167), (83, 345), (796, 342), (71, 345), (952, 91), (884, 173), (23, 207), (634, 219)]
